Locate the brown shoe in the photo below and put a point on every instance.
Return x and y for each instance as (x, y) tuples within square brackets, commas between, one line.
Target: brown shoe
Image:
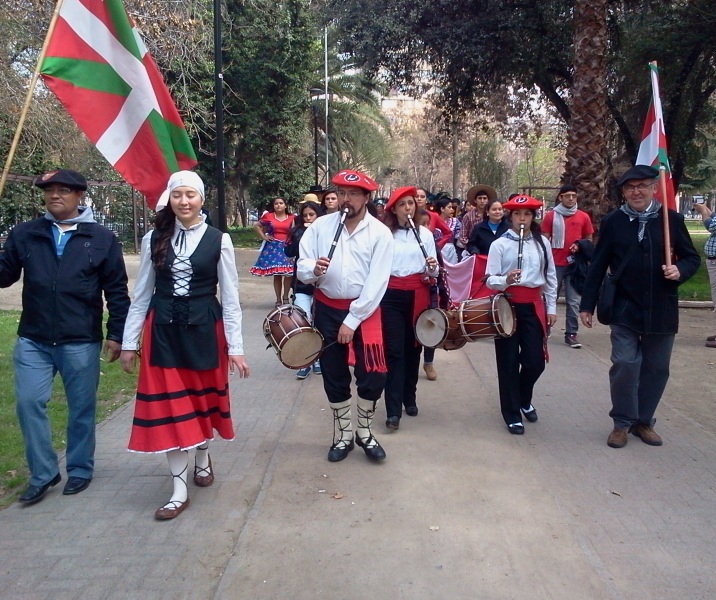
[(711, 338), (167, 512), (710, 344), (647, 434), (204, 477), (618, 438), (430, 372)]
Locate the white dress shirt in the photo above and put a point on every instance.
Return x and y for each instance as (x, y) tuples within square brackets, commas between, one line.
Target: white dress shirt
[(360, 266), (503, 258), (228, 286)]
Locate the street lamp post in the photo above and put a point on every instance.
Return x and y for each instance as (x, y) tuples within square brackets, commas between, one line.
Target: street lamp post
[(315, 94)]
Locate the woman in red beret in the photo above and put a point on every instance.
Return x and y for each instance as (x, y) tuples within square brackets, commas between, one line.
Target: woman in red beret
[(408, 294), (532, 290)]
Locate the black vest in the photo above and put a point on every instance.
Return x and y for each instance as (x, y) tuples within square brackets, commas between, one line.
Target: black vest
[(184, 333)]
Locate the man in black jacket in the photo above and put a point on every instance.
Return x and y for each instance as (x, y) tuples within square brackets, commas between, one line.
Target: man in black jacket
[(67, 261), (646, 310)]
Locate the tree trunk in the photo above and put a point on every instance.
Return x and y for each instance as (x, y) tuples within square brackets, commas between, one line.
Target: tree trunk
[(587, 165)]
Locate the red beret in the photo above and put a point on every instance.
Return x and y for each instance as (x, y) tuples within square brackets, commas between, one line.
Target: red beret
[(522, 201), (347, 178), (401, 193)]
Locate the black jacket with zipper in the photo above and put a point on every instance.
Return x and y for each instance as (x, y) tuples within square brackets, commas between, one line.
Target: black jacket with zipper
[(62, 296)]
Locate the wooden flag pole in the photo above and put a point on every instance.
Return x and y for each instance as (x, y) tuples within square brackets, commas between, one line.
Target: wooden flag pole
[(28, 98), (665, 211)]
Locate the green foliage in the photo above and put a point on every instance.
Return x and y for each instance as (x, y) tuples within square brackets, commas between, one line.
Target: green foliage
[(269, 55), (489, 56)]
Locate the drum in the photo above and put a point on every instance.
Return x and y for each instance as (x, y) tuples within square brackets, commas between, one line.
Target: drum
[(297, 343), (438, 328), (489, 317)]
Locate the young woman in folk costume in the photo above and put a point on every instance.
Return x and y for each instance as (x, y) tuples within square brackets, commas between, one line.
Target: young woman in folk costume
[(408, 294), (273, 228), (531, 283), (189, 339)]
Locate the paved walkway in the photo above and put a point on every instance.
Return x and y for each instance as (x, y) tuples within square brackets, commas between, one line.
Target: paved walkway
[(460, 509)]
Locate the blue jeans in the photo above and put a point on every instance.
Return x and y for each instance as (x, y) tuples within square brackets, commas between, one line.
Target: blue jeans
[(35, 368), (638, 375), (572, 299)]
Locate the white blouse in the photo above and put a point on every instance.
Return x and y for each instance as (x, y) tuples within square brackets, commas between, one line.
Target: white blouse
[(503, 258), (408, 258), (228, 285)]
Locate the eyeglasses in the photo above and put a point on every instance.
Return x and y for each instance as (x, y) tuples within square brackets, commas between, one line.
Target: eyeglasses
[(633, 188), (353, 193), (62, 191)]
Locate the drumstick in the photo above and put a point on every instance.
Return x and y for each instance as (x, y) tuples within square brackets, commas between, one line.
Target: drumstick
[(310, 356), (344, 214), (520, 249)]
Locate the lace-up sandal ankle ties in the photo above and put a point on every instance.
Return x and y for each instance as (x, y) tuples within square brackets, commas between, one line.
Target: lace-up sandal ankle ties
[(373, 450), (204, 477), (171, 510)]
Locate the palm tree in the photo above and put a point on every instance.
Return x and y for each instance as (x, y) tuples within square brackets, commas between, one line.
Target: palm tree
[(587, 164), (358, 133)]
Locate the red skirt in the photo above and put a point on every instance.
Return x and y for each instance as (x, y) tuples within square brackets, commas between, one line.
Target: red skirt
[(178, 409)]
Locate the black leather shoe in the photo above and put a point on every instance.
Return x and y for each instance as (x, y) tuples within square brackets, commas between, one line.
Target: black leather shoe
[(376, 452), (516, 428), (338, 453), (393, 423), (75, 485), (411, 411), (35, 493), (530, 415)]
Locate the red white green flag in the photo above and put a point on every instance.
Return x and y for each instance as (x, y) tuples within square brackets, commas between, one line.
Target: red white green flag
[(99, 68), (652, 150)]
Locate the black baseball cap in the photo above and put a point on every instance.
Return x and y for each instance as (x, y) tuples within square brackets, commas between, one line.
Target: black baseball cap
[(72, 179)]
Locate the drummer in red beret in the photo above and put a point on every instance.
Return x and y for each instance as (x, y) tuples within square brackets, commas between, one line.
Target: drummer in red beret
[(520, 264), (347, 255)]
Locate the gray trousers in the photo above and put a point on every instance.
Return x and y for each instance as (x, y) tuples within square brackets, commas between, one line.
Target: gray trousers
[(572, 299), (638, 375)]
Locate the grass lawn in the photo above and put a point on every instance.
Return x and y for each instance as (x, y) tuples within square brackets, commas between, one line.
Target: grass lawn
[(115, 388), (244, 237)]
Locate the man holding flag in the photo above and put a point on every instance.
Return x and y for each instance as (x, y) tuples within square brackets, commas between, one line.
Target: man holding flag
[(646, 311)]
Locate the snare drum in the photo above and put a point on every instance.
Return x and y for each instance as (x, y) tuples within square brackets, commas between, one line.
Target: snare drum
[(438, 328), (489, 317), (296, 342)]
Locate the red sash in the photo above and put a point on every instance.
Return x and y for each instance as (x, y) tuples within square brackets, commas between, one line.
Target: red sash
[(371, 331), (417, 283), (521, 294)]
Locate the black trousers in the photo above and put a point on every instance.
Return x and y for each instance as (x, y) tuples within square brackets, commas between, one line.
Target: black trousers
[(401, 352), (334, 360), (520, 362)]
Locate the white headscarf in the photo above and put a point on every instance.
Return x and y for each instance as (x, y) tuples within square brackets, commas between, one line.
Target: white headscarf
[(180, 179)]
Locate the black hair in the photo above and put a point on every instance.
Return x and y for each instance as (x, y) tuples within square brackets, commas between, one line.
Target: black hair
[(163, 231), (298, 222)]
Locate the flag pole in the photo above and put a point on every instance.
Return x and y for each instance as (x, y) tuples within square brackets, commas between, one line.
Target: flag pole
[(28, 98), (665, 211)]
